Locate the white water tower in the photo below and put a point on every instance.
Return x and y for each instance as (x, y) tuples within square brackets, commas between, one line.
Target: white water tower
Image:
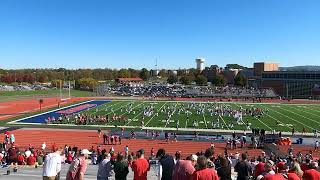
[(200, 64)]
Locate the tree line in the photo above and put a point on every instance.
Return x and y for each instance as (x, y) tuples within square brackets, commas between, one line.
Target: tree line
[(89, 78)]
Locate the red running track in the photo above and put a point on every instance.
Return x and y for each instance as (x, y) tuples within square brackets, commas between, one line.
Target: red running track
[(11, 109), (88, 138)]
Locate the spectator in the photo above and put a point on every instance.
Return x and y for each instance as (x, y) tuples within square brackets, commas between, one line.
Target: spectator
[(69, 157), (78, 166), (31, 160), (185, 168), (94, 157), (260, 167), (12, 155), (12, 139), (40, 158), (166, 165), (243, 168), (203, 172), (21, 159), (52, 165), (209, 155), (140, 166), (104, 169), (178, 157), (43, 146), (297, 170), (121, 168), (312, 174), (224, 172)]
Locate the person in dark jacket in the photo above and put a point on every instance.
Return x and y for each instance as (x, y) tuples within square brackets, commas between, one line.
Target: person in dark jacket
[(166, 165), (243, 168), (224, 172), (121, 168)]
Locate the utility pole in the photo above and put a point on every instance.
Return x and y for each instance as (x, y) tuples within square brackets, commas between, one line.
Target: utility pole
[(69, 91), (60, 89)]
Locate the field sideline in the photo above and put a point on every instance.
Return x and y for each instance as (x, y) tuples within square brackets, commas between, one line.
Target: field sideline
[(278, 117)]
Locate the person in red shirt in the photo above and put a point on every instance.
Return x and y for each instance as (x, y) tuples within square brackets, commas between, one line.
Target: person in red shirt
[(312, 174), (305, 166), (184, 169), (31, 160), (140, 166), (203, 172), (259, 168), (282, 173), (69, 157), (78, 166), (21, 159)]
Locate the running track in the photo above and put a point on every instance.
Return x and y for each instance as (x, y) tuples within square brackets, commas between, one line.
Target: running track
[(88, 138), (11, 109)]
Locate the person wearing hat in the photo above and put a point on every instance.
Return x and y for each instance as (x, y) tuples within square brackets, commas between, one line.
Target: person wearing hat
[(184, 168), (140, 166), (78, 166), (166, 165)]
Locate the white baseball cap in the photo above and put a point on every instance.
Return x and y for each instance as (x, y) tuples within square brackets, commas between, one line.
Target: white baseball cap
[(85, 151), (194, 157)]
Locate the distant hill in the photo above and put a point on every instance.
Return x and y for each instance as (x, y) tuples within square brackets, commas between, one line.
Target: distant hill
[(300, 68)]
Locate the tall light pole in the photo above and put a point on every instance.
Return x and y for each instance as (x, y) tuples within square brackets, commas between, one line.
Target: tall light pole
[(35, 77)]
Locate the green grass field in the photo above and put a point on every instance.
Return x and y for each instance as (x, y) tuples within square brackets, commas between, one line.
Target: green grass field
[(280, 117)]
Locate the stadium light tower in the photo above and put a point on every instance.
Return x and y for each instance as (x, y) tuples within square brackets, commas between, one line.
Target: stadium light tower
[(200, 64)]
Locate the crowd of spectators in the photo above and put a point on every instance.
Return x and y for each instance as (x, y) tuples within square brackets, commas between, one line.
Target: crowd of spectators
[(198, 166), (148, 90)]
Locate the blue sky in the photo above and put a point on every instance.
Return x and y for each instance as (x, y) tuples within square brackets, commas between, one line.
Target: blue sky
[(133, 33)]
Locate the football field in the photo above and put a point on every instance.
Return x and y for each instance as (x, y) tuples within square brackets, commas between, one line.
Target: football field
[(205, 115)]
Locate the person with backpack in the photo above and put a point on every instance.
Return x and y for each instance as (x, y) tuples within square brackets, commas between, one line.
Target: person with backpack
[(78, 166)]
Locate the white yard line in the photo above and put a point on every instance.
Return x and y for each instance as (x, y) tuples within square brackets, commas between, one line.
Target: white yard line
[(101, 107), (274, 117), (314, 109), (237, 106), (258, 120), (223, 121), (118, 108), (291, 118), (204, 116), (132, 108), (154, 114), (172, 114), (300, 115), (129, 121), (306, 111)]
